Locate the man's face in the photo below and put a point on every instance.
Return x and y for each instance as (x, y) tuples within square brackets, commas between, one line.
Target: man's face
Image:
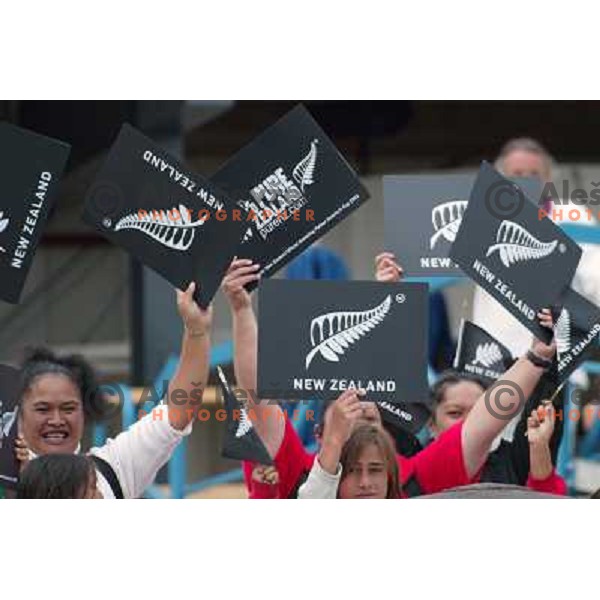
[(367, 478), (51, 416), (459, 399), (521, 163)]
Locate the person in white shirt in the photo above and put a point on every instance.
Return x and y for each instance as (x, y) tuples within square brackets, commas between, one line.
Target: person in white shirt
[(55, 395), (357, 460)]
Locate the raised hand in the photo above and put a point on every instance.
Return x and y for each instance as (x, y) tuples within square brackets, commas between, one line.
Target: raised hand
[(195, 320), (541, 349), (241, 272), (22, 451), (387, 269), (540, 424), (341, 416)]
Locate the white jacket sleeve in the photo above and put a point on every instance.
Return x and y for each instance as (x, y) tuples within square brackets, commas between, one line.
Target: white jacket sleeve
[(587, 277), (320, 484), (137, 454)]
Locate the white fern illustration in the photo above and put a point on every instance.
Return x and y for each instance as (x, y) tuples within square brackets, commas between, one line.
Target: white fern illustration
[(6, 422), (245, 424), (487, 354), (332, 333), (446, 219), (515, 244), (304, 171), (562, 333), (175, 233), (3, 225)]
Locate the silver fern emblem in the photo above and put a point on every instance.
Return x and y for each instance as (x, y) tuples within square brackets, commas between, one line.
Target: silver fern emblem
[(6, 422), (515, 244), (487, 354), (245, 424), (446, 219), (3, 225), (175, 233), (332, 333), (304, 171), (562, 333)]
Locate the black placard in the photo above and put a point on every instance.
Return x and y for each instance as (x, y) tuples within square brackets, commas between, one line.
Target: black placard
[(241, 441), (576, 331), (423, 214), (30, 171), (520, 259), (318, 338), (481, 354), (408, 417), (171, 219), (9, 386), (292, 186)]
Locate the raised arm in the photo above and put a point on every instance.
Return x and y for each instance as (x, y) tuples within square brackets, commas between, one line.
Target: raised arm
[(270, 424), (501, 402), (325, 475), (542, 475), (188, 385), (387, 268)]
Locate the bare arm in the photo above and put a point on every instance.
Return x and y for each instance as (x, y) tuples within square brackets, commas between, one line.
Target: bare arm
[(540, 425), (339, 421), (270, 424), (501, 402), (188, 385)]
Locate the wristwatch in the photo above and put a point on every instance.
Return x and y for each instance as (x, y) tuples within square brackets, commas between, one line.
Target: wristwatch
[(538, 361)]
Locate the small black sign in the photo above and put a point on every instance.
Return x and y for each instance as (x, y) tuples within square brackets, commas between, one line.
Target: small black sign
[(479, 353), (576, 332), (241, 440), (319, 338), (292, 186), (408, 417), (30, 171), (423, 214), (9, 386), (520, 259), (172, 220)]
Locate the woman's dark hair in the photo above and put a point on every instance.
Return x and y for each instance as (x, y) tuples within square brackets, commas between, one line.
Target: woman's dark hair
[(56, 476), (366, 435), (447, 379), (42, 361)]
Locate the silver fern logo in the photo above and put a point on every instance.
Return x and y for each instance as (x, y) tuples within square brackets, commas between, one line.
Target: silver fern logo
[(333, 333), (3, 225), (277, 197), (7, 420), (173, 229), (245, 424), (304, 171), (446, 219), (487, 354), (562, 334), (515, 244)]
